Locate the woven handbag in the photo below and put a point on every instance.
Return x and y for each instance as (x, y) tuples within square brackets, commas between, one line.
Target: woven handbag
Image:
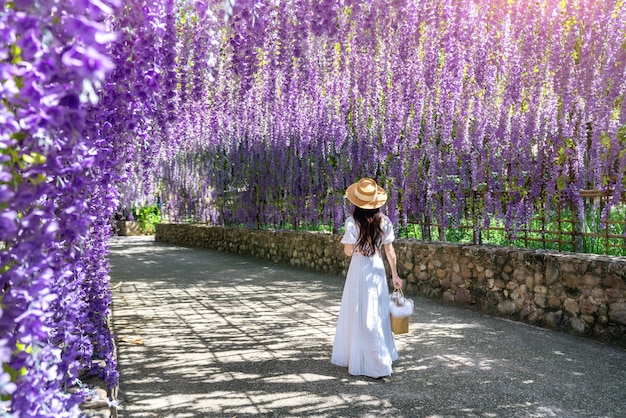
[(400, 308), (399, 324)]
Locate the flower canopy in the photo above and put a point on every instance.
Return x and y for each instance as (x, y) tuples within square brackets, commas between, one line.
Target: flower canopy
[(512, 103), (262, 112)]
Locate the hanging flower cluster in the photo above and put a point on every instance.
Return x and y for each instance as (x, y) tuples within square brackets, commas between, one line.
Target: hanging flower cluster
[(54, 296), (487, 106), (249, 112), (83, 88)]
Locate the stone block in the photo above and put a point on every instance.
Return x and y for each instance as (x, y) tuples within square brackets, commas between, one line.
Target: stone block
[(466, 273), (555, 290), (587, 306), (591, 281), (506, 307), (554, 302), (536, 317), (457, 279), (577, 326), (617, 313), (568, 267), (553, 320), (571, 280), (518, 297), (527, 310), (553, 273), (571, 306), (464, 297), (540, 300), (425, 290), (448, 296), (531, 313), (614, 282), (614, 295)]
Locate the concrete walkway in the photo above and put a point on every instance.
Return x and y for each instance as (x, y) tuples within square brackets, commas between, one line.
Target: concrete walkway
[(208, 334)]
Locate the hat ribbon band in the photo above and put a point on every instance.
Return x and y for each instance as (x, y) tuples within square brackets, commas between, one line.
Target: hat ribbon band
[(367, 197)]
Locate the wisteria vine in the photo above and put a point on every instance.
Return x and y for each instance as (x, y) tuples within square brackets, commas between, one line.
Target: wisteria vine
[(487, 106), (250, 112), (84, 101)]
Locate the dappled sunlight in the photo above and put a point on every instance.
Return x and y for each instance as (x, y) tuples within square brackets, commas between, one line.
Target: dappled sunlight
[(456, 361), (444, 330), (297, 378), (220, 335)]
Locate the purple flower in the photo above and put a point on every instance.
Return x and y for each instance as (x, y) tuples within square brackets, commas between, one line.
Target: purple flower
[(460, 108)]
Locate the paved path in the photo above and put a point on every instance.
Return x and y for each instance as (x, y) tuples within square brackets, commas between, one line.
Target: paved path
[(208, 334)]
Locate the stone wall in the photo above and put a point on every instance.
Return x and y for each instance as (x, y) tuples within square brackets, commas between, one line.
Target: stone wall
[(128, 228), (579, 293)]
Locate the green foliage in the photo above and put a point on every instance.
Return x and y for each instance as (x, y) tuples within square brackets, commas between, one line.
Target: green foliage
[(554, 231), (147, 216)]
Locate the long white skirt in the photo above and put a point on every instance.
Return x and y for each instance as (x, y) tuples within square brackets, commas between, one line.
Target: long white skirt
[(363, 340)]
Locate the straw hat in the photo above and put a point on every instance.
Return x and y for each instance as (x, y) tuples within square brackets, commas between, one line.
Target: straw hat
[(366, 194)]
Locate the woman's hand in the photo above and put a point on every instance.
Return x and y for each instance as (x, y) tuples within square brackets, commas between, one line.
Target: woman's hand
[(397, 282)]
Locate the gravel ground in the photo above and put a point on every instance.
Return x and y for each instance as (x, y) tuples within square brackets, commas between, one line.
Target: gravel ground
[(208, 334)]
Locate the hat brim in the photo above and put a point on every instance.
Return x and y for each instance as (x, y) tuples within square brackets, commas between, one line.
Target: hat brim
[(381, 198)]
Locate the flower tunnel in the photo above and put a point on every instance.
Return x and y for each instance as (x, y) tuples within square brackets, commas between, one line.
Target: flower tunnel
[(261, 113)]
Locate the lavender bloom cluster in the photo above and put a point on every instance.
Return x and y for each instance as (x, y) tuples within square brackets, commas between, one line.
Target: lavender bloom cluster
[(54, 297), (250, 112), (84, 87), (487, 108)]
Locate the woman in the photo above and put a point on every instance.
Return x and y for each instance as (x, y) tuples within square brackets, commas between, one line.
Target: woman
[(363, 340)]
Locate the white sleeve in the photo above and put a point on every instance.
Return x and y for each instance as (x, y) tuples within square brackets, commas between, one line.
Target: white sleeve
[(352, 232), (388, 234)]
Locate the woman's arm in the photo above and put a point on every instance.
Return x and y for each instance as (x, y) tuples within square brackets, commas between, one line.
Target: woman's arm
[(348, 249), (391, 258)]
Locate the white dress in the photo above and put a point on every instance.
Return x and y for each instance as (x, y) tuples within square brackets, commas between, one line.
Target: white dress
[(363, 340)]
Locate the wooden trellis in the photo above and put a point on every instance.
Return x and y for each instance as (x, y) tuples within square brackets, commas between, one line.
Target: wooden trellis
[(561, 230)]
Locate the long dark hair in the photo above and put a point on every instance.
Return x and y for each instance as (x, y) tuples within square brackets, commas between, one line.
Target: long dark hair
[(370, 233)]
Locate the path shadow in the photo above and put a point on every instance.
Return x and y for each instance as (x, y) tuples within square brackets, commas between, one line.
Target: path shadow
[(208, 334)]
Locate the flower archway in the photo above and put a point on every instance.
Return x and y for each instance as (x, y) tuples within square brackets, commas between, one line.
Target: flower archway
[(260, 112)]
